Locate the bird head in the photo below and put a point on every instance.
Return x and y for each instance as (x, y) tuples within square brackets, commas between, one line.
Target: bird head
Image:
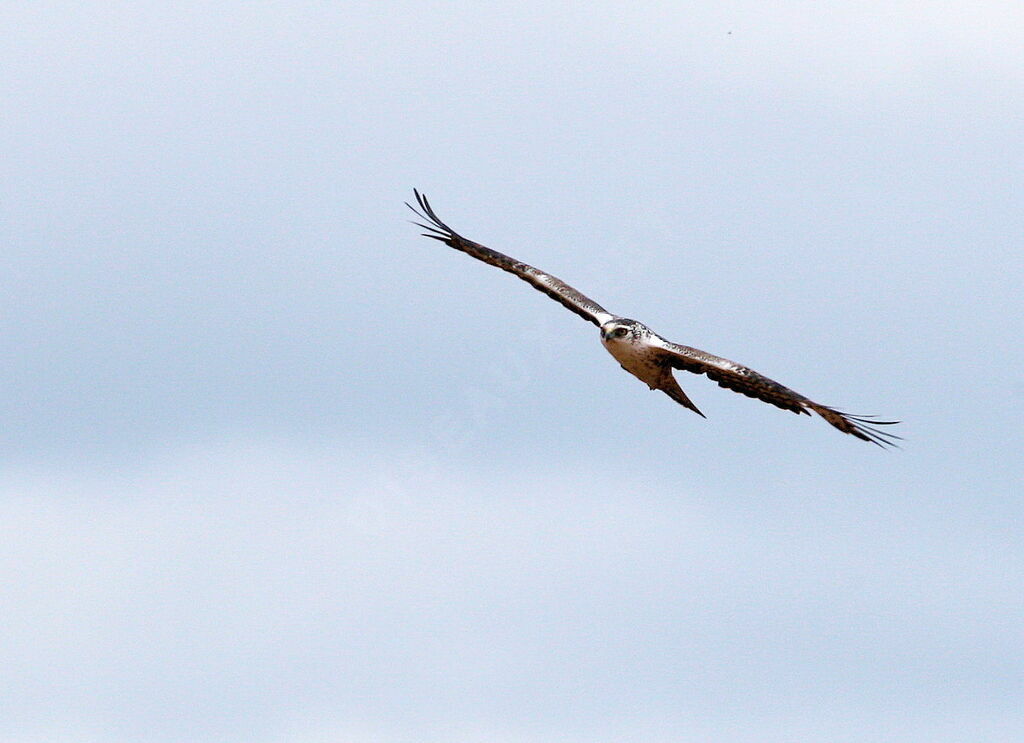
[(621, 330)]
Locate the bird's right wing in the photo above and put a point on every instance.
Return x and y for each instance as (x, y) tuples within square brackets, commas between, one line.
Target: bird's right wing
[(748, 382), (554, 287)]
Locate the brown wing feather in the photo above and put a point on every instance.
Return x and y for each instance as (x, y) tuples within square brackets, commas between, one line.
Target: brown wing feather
[(748, 382), (554, 287)]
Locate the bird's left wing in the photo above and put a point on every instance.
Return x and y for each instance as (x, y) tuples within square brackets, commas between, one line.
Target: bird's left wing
[(554, 287), (748, 382)]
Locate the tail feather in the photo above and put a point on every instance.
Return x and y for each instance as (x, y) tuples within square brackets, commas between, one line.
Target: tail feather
[(670, 387)]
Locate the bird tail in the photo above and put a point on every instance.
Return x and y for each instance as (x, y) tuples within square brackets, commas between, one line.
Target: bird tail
[(670, 387)]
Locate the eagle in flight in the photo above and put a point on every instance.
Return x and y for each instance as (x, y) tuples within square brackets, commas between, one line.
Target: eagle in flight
[(645, 354)]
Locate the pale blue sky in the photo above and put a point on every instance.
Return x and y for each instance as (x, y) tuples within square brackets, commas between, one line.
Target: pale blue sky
[(275, 468)]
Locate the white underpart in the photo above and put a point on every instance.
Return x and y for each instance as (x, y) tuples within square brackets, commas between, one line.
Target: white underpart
[(635, 356)]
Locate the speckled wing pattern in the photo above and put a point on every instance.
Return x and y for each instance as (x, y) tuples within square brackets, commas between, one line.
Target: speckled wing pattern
[(739, 378), (554, 287)]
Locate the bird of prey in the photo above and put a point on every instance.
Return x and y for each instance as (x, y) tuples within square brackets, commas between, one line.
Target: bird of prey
[(645, 354)]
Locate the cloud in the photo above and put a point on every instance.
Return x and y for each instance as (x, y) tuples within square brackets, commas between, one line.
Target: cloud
[(210, 593)]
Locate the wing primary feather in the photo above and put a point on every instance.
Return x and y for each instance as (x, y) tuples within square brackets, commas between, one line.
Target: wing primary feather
[(859, 426), (437, 233), (865, 419)]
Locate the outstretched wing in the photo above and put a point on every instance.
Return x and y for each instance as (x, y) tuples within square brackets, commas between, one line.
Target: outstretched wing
[(554, 287), (746, 381)]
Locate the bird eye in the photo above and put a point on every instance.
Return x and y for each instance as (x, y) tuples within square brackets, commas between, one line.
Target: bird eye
[(619, 332)]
